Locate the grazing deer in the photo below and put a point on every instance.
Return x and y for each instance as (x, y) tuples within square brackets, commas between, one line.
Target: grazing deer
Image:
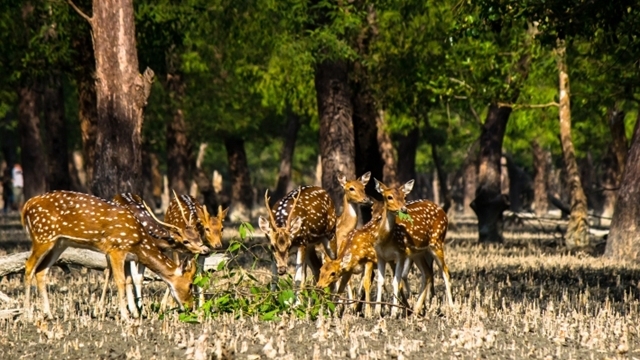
[(303, 218), (60, 219), (422, 238), (388, 250), (166, 236), (210, 229)]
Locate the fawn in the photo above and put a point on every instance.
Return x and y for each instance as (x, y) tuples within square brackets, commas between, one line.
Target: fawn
[(60, 219)]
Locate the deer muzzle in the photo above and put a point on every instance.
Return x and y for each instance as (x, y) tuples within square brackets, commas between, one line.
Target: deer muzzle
[(282, 270)]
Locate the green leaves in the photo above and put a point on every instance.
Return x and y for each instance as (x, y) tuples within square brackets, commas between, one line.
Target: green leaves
[(405, 217)]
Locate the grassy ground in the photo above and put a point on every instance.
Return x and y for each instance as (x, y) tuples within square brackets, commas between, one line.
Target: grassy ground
[(524, 299)]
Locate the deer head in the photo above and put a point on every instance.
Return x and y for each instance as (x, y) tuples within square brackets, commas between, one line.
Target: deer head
[(394, 198), (354, 190), (211, 227), (280, 236), (182, 289), (330, 272)]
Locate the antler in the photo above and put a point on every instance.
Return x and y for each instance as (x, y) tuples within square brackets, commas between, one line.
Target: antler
[(184, 217), (295, 200), (156, 219), (266, 203)]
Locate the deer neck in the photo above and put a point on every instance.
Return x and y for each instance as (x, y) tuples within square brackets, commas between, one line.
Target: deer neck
[(387, 222), (348, 220), (154, 259)]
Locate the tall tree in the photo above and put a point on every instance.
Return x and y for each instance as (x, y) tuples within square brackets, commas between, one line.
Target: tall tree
[(286, 157), (241, 190), (33, 156), (121, 93)]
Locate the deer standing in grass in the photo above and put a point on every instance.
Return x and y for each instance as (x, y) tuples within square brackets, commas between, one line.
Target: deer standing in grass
[(354, 196), (61, 219), (209, 227), (165, 236), (423, 239), (303, 218)]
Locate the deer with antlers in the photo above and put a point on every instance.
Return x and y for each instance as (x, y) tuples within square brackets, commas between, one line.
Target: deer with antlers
[(209, 227), (165, 235), (303, 218), (60, 219)]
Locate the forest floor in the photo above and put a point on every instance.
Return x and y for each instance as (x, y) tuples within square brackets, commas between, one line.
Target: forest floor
[(526, 298)]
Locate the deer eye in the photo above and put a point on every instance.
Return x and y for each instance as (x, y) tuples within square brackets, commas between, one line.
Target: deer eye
[(352, 189), (389, 197)]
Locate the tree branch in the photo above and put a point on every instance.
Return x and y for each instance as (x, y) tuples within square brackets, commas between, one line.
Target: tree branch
[(528, 106), (80, 12)]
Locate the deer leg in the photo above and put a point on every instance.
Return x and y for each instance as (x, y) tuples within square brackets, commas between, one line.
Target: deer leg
[(301, 267), (137, 272), (199, 290), (118, 269), (380, 284), (274, 273), (366, 284), (164, 304), (326, 243), (105, 286), (129, 270), (314, 263), (41, 273), (37, 254), (397, 277), (426, 281), (438, 255)]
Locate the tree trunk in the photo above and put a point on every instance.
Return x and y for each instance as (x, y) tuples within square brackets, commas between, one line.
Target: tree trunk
[(204, 184), (578, 228), (623, 242), (489, 202), (59, 177), (541, 159), (241, 190), (34, 165), (337, 147), (407, 150), (365, 127), (286, 157), (445, 194), (470, 171), (84, 72), (387, 152), (178, 146), (614, 161), (122, 94)]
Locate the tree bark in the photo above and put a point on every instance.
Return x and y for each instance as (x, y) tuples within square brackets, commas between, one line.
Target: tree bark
[(614, 161), (387, 152), (445, 194), (241, 190), (178, 146), (623, 242), (407, 150), (365, 127), (286, 157), (337, 147), (541, 159), (489, 202), (121, 93), (34, 165), (204, 184), (470, 171), (84, 74), (578, 228), (59, 177)]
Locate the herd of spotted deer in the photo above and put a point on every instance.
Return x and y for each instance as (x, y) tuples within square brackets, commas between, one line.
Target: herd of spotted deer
[(132, 238)]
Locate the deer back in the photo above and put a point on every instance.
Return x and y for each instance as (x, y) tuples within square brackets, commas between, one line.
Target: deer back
[(314, 206), (427, 228)]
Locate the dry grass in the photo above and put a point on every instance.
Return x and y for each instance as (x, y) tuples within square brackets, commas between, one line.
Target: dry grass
[(523, 299)]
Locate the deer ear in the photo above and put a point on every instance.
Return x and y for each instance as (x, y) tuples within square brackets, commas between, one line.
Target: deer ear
[(379, 186), (296, 224), (406, 188), (364, 179), (264, 225), (188, 267), (345, 261), (342, 180), (222, 213)]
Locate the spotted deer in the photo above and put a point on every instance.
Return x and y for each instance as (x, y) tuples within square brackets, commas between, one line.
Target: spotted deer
[(388, 250), (303, 218), (60, 219), (165, 235), (423, 239), (354, 196), (209, 227)]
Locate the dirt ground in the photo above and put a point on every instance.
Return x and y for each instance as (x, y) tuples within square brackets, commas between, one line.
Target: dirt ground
[(524, 299)]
